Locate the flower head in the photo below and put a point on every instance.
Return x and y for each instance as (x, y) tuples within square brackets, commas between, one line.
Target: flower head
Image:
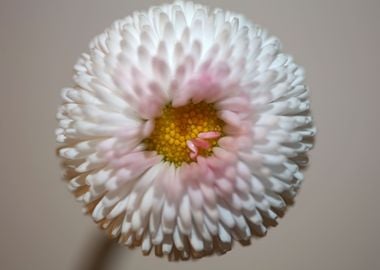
[(186, 130)]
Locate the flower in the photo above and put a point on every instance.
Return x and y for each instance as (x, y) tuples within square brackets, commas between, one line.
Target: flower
[(185, 131)]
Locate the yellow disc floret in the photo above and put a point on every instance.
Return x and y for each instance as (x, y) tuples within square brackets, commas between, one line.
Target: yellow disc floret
[(176, 126)]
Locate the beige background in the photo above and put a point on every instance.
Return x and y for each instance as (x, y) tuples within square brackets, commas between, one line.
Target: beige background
[(335, 222)]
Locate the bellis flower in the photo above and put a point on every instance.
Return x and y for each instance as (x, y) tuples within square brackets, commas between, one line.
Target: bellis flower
[(185, 130)]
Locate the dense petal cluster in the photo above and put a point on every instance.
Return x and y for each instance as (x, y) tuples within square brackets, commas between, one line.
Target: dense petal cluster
[(186, 130)]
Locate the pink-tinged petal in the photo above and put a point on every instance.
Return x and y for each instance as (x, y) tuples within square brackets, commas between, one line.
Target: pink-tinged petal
[(200, 143), (229, 143), (209, 135), (195, 196), (149, 108), (224, 186), (128, 133), (215, 164), (174, 187), (230, 118), (136, 160), (148, 128), (192, 146), (208, 193), (194, 149), (226, 156), (235, 104), (205, 80)]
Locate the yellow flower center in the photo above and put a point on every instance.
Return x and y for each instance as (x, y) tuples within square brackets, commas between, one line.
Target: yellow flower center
[(180, 134)]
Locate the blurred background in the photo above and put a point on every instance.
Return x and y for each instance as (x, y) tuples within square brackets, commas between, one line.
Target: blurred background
[(336, 219)]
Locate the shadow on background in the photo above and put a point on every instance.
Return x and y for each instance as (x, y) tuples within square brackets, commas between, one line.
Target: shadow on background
[(100, 254)]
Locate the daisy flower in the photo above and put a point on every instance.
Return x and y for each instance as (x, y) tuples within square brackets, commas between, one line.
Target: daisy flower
[(185, 130)]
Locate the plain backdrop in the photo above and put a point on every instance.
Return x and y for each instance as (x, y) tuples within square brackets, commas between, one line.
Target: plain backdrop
[(333, 225)]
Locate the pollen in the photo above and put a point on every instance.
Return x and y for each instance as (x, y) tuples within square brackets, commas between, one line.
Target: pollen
[(183, 133)]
